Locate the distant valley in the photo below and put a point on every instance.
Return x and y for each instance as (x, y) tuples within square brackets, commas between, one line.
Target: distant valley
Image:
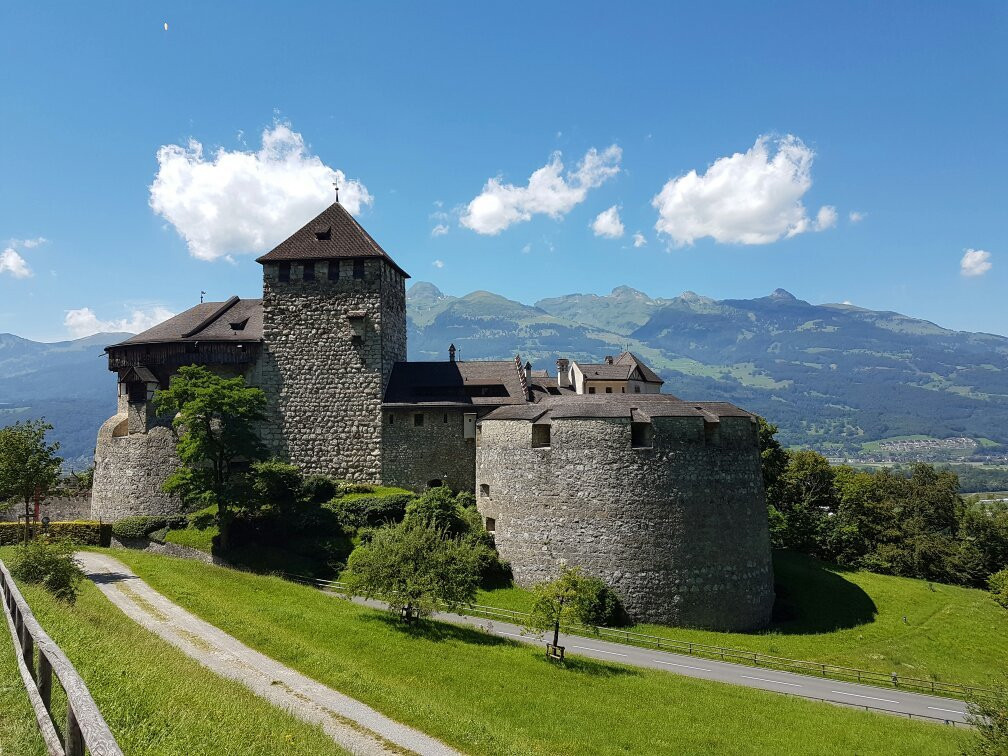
[(847, 381)]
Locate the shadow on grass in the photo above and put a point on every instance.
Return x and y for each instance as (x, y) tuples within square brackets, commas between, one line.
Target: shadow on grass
[(814, 597), (589, 667), (433, 630)]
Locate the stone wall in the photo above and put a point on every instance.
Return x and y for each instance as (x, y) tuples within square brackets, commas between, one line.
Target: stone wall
[(324, 386), (56, 508), (678, 530), (129, 472), (413, 456)]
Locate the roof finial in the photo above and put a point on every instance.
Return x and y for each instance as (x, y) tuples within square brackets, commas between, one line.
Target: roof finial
[(201, 295), (336, 187)]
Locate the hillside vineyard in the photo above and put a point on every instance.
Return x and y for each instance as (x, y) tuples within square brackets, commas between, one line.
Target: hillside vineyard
[(590, 466)]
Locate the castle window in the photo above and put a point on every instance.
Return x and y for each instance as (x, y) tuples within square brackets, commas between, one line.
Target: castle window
[(636, 389), (309, 271), (334, 270), (391, 418), (436, 483), (137, 391), (283, 272), (418, 419), (540, 435), (446, 417), (622, 389), (591, 389), (491, 524), (641, 435), (608, 389), (484, 490), (358, 268)]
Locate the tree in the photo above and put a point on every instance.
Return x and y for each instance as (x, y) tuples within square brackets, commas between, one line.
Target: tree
[(805, 501), (989, 715), (28, 465), (571, 596), (998, 585), (416, 568), (773, 458), (214, 422)]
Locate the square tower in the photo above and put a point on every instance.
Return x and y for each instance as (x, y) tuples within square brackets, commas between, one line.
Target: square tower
[(334, 324)]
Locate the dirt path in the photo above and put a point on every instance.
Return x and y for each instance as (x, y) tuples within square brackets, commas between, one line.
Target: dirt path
[(351, 724)]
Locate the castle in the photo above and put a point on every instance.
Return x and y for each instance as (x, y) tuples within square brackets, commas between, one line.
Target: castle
[(590, 466)]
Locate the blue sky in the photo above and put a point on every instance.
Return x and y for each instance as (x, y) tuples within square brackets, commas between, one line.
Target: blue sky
[(792, 116)]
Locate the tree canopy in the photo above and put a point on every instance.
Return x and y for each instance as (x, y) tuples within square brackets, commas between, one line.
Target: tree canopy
[(27, 463)]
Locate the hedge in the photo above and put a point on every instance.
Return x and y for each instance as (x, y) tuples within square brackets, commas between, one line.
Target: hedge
[(370, 511), (83, 532), (142, 526)]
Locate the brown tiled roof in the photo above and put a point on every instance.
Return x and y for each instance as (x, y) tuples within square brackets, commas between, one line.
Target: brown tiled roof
[(631, 406), (236, 320), (629, 358), (479, 383), (620, 370), (333, 234)]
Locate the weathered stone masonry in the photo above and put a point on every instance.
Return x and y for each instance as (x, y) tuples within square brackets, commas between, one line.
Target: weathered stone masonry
[(415, 456), (678, 530)]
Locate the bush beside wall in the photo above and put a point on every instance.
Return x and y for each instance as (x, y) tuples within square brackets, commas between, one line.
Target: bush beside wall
[(81, 532)]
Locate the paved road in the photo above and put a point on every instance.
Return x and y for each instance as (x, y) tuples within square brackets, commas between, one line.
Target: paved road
[(890, 700), (351, 724)]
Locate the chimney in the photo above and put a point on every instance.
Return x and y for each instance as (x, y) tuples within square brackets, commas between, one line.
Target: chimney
[(563, 376), (528, 371), (608, 359), (451, 353)]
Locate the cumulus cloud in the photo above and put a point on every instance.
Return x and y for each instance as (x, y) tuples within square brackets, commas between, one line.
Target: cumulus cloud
[(639, 240), (856, 216), (246, 202), (38, 241), (439, 230), (975, 262), (438, 263), (11, 262), (747, 198), (549, 192), (608, 224), (84, 322)]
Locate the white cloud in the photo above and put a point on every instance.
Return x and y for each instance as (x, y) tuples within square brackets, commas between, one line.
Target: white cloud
[(526, 249), (549, 192), (608, 224), (856, 216), (438, 263), (639, 240), (246, 202), (747, 198), (11, 262), (38, 241), (439, 230), (84, 322), (975, 262)]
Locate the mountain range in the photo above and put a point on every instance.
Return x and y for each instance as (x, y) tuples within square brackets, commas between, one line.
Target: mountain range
[(834, 377)]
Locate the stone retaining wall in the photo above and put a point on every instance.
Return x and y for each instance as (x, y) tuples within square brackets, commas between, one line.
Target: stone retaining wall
[(56, 508), (678, 530)]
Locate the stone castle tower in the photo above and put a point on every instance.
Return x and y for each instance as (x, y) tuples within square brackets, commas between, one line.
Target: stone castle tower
[(334, 324)]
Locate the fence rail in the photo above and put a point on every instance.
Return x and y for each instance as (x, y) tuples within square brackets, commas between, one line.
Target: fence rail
[(85, 726), (751, 658)]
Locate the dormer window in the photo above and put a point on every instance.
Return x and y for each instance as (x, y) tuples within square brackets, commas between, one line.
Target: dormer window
[(239, 325), (323, 233)]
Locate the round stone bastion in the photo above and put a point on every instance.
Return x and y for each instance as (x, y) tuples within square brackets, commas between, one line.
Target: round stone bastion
[(663, 500)]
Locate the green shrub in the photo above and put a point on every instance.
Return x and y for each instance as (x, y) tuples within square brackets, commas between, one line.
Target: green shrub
[(277, 485), (345, 487), (998, 585), (598, 605), (83, 533), (143, 526), (319, 489), (49, 562), (369, 511)]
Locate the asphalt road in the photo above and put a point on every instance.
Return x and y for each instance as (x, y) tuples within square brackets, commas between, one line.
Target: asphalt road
[(889, 700)]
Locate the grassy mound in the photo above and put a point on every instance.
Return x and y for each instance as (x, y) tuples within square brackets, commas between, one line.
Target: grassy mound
[(156, 700), (487, 695), (856, 619)]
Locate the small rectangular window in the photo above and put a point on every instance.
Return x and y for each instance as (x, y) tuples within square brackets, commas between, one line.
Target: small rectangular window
[(540, 435), (608, 389), (309, 271), (491, 524), (484, 489), (591, 389), (334, 270), (636, 389), (418, 419), (358, 268), (283, 272), (641, 435), (391, 418), (446, 417)]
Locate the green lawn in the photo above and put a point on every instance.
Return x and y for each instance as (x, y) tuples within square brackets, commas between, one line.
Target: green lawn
[(487, 695), (855, 619), (156, 700)]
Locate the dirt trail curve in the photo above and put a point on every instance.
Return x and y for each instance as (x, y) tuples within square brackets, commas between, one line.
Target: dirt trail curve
[(351, 724)]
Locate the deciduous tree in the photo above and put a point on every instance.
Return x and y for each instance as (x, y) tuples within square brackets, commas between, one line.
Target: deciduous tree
[(28, 465)]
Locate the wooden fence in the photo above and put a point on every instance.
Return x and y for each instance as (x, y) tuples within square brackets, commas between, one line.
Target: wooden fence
[(85, 727)]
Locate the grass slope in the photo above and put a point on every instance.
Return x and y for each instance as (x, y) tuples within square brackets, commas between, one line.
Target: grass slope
[(855, 619), (156, 700), (486, 695)]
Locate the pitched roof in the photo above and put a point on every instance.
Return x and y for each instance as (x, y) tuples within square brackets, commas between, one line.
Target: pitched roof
[(236, 320), (635, 407), (620, 369), (629, 358), (332, 234), (478, 383)]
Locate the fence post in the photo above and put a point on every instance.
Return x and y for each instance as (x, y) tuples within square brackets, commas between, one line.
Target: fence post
[(27, 648), (74, 745), (44, 679)]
